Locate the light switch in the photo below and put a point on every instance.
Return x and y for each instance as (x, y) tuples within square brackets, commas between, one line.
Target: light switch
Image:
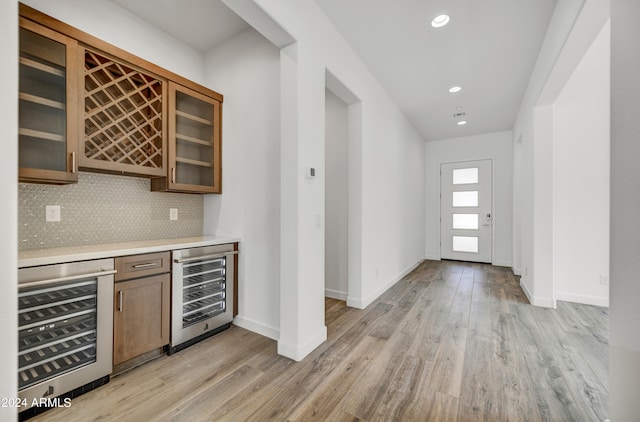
[(311, 172), (173, 213)]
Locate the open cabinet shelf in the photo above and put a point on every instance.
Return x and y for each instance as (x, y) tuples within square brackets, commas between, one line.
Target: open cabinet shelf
[(193, 162), (185, 138)]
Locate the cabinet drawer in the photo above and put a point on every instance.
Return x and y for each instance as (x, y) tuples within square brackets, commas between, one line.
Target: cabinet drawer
[(136, 266)]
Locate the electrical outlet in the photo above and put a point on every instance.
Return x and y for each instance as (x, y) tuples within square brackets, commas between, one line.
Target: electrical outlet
[(52, 213), (604, 280), (173, 213)]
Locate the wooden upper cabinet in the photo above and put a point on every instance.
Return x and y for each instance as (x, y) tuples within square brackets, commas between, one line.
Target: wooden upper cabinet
[(85, 103), (124, 118), (48, 105), (194, 143)]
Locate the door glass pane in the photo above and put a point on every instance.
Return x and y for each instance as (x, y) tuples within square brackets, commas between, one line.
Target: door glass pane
[(465, 176), (465, 221), (465, 199), (465, 244)]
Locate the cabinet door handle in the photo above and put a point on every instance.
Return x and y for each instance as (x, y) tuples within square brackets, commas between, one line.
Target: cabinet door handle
[(120, 297), (173, 174), (73, 162)]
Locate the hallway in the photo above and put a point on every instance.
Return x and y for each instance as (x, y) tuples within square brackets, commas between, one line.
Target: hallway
[(451, 342)]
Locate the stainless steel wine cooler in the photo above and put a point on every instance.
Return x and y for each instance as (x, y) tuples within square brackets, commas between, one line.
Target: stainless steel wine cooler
[(65, 327), (202, 293)]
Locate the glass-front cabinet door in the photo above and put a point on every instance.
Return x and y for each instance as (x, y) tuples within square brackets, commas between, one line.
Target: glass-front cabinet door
[(48, 105), (194, 142)]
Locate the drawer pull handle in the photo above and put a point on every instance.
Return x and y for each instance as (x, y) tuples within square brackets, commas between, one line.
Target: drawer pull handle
[(151, 264)]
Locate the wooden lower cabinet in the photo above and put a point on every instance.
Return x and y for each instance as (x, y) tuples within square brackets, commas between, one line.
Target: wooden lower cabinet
[(141, 316)]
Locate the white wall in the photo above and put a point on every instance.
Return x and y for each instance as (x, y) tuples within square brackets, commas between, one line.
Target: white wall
[(624, 335), (336, 196), (116, 25), (246, 70), (574, 26), (495, 146), (9, 207), (390, 161), (581, 179), (391, 196)]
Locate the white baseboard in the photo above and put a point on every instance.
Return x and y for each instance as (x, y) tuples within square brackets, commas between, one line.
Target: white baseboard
[(537, 301), (361, 303), (501, 263), (298, 352), (335, 294), (257, 327), (433, 257), (517, 271), (585, 300)]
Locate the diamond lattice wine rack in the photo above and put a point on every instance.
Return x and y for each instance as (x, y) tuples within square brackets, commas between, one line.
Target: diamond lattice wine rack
[(123, 110)]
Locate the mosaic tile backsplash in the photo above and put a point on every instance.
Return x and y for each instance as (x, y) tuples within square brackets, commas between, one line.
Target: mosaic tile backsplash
[(103, 208)]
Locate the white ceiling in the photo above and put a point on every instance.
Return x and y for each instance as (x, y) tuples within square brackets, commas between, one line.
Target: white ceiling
[(489, 48), (201, 24)]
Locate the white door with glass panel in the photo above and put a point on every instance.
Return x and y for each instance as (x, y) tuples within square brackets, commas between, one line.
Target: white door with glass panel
[(465, 211)]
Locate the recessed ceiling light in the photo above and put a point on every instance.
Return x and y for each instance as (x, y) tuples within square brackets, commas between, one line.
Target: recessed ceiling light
[(440, 21), (462, 122), (455, 89)]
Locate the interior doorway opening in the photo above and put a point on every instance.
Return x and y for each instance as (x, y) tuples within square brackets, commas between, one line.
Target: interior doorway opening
[(343, 190), (336, 197)]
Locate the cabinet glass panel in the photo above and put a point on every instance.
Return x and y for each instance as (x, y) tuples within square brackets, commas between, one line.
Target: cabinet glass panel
[(42, 106), (194, 141)]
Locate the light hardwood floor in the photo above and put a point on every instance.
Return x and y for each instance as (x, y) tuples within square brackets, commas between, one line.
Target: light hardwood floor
[(450, 342)]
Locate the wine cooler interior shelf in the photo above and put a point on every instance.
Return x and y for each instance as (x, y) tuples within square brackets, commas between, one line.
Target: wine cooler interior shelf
[(204, 291)]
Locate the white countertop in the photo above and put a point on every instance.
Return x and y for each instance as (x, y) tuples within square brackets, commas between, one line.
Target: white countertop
[(32, 258)]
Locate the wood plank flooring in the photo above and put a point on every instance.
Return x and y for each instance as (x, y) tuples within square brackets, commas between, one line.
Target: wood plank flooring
[(450, 342)]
